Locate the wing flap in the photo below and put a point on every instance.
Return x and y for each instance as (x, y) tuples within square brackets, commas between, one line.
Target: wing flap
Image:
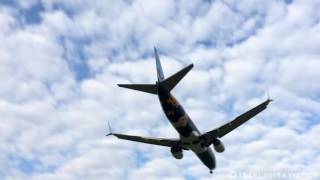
[(148, 140), (238, 121)]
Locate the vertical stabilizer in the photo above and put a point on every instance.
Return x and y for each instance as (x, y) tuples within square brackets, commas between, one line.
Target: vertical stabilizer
[(158, 64)]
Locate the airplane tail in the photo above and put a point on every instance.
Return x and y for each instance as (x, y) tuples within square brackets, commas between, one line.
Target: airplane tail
[(168, 83), (158, 65)]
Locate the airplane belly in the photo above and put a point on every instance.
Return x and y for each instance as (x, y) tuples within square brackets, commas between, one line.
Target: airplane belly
[(176, 114), (178, 118), (193, 142), (204, 153)]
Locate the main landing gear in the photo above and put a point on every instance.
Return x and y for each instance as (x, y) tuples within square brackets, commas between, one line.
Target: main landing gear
[(210, 171)]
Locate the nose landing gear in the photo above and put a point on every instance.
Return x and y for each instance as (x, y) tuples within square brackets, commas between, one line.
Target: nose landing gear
[(210, 171)]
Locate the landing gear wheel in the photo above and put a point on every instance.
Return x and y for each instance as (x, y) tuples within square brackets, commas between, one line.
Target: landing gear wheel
[(210, 171)]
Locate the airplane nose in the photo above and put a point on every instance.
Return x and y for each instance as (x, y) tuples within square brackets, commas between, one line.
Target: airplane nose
[(208, 158)]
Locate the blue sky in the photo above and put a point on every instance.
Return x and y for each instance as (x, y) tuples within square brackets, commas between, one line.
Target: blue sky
[(60, 62)]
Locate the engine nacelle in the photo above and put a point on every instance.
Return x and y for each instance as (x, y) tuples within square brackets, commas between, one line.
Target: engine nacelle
[(218, 146), (177, 152)]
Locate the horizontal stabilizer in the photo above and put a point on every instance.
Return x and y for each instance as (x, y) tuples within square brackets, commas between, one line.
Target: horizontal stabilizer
[(173, 80), (148, 88)]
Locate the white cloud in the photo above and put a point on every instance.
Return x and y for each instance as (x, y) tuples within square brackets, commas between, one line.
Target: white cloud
[(26, 4), (53, 125), (6, 20)]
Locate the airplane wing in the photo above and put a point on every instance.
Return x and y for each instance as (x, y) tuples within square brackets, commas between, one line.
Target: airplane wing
[(148, 140), (238, 121)]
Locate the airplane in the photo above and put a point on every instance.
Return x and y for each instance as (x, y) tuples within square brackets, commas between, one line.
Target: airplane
[(190, 137)]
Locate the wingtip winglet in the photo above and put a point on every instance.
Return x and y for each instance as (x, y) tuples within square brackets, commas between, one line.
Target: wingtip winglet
[(268, 95), (110, 130), (268, 101)]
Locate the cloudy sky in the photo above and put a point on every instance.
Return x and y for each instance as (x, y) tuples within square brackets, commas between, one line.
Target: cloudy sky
[(60, 62)]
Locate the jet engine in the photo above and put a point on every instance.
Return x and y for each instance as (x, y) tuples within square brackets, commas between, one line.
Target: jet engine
[(176, 152), (218, 146)]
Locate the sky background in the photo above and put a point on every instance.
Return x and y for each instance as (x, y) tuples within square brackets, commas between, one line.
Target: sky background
[(60, 62)]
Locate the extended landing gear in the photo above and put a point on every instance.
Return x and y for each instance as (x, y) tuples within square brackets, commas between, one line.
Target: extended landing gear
[(210, 171)]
